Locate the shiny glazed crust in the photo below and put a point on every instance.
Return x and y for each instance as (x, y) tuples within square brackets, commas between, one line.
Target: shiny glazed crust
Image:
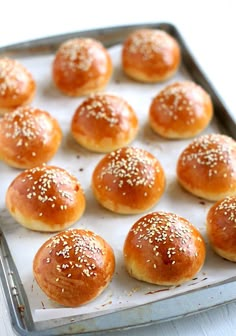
[(164, 249), (74, 267), (207, 167), (29, 137), (221, 227), (81, 66), (128, 181), (104, 122), (45, 198), (17, 86), (150, 55), (181, 110)]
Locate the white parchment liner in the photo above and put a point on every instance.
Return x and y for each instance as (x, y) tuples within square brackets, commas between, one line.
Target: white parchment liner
[(123, 291)]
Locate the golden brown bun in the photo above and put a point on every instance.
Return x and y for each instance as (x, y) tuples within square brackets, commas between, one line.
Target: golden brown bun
[(207, 167), (28, 137), (180, 110), (150, 55), (81, 66), (17, 86), (104, 122), (221, 227), (45, 198), (128, 181), (164, 249), (74, 267)]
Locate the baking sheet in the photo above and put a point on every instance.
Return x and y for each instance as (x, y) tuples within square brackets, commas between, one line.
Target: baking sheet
[(123, 291)]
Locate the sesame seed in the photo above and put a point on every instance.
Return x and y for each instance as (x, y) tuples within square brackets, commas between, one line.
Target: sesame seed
[(178, 101), (78, 54), (228, 207), (44, 181), (130, 167), (211, 151), (22, 126), (148, 43), (79, 250), (162, 229), (104, 107), (13, 77)]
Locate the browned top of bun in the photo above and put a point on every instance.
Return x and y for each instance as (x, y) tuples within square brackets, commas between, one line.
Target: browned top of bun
[(74, 266), (181, 110), (81, 66), (104, 122), (29, 137), (164, 248), (150, 55), (221, 227), (17, 85), (45, 198), (128, 180), (207, 166)]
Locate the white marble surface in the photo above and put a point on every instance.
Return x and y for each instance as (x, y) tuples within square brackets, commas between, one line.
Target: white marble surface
[(209, 29)]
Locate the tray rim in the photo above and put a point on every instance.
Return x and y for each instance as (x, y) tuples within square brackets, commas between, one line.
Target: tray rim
[(15, 295)]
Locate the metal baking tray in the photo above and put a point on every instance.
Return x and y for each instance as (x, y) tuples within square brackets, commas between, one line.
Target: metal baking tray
[(155, 312)]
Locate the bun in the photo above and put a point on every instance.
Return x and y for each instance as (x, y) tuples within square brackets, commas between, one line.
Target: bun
[(104, 122), (29, 137), (180, 110), (74, 267), (221, 223), (45, 198), (164, 249), (81, 66), (150, 55), (207, 167), (128, 181), (17, 86)]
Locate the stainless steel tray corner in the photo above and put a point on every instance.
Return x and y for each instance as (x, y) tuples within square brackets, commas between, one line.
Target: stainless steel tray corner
[(155, 312)]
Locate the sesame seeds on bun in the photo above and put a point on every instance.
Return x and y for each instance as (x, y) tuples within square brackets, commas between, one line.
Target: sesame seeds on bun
[(164, 249), (45, 198), (29, 137), (128, 181), (181, 110), (221, 227), (207, 167), (74, 267), (17, 86), (150, 55), (104, 122), (81, 66)]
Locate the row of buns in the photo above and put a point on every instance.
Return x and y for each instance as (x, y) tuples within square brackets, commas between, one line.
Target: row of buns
[(103, 122), (132, 180), (76, 265), (82, 66)]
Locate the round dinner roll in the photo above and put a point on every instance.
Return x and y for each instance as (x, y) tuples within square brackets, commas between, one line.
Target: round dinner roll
[(74, 267), (81, 66), (104, 122), (221, 227), (180, 110), (128, 181), (45, 198), (28, 137), (17, 86), (163, 248), (207, 167), (150, 55)]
